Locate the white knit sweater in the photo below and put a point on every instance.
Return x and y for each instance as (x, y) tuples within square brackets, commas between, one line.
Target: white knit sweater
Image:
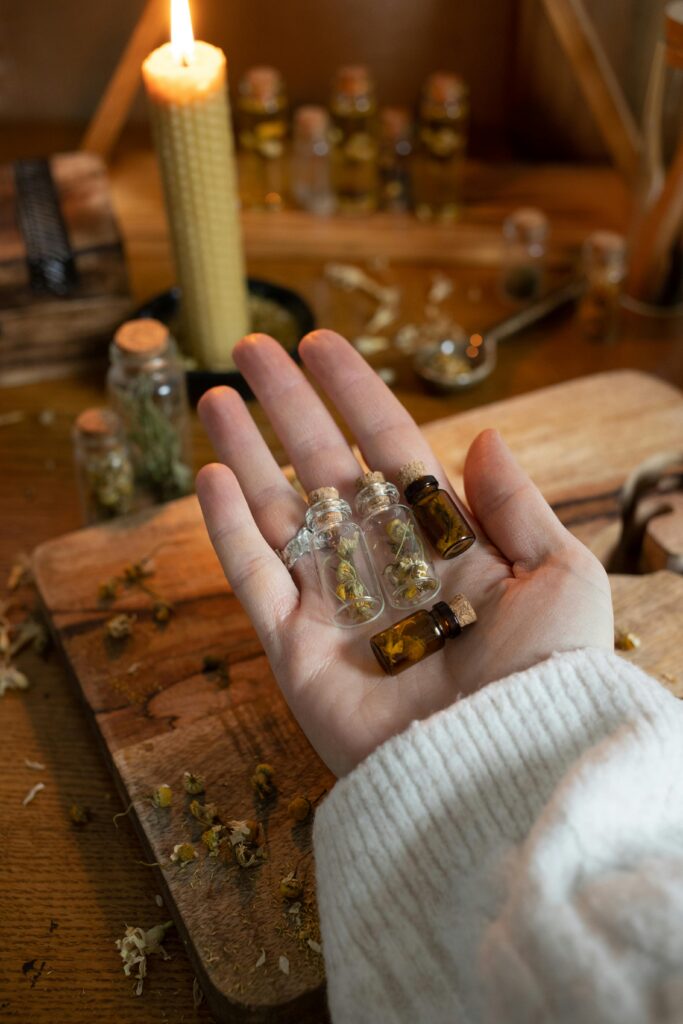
[(515, 858)]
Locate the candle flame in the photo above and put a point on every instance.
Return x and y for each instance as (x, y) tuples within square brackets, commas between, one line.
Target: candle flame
[(182, 36)]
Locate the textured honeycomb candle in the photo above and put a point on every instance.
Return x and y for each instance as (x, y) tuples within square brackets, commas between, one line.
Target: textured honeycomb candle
[(188, 100)]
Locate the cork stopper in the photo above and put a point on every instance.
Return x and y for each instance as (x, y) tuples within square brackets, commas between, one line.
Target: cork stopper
[(312, 123), (263, 84), (395, 123), (528, 222), (463, 610), (353, 80), (372, 477), (410, 472), (97, 422), (141, 337), (322, 494), (444, 87)]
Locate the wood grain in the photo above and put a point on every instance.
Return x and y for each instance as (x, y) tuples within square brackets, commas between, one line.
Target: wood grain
[(663, 541)]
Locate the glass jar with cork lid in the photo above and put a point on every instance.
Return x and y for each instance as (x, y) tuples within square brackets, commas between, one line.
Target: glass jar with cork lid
[(355, 173), (146, 386), (262, 119), (525, 236), (104, 471), (441, 145)]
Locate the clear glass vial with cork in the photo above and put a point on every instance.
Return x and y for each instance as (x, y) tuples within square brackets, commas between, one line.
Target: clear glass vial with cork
[(525, 236), (311, 157), (146, 386), (436, 512), (262, 120), (603, 260), (423, 633), (351, 593), (441, 145), (395, 149), (355, 173), (396, 546), (104, 470)]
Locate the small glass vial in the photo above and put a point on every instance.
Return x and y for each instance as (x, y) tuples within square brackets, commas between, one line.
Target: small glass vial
[(354, 133), (349, 585), (262, 119), (441, 145), (423, 633), (435, 511), (395, 149), (311, 170), (604, 266), (393, 537), (525, 234), (103, 467), (146, 385)]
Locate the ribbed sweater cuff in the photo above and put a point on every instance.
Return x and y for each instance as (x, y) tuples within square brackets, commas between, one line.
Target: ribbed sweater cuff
[(468, 778)]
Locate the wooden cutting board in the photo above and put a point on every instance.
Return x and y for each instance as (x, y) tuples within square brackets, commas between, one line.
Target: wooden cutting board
[(159, 710)]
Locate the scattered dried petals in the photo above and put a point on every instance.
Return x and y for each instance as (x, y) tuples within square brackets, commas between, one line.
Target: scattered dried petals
[(162, 612), (120, 626), (36, 766), (197, 994), (261, 960), (212, 839), (20, 573), (193, 784), (299, 808), (626, 641), (33, 793), (136, 945), (184, 853), (291, 887), (440, 289), (206, 814), (315, 946), (163, 796), (12, 679), (158, 900), (79, 814), (283, 964), (263, 781)]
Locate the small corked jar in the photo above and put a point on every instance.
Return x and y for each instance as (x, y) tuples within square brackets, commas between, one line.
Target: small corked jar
[(436, 512), (423, 633)]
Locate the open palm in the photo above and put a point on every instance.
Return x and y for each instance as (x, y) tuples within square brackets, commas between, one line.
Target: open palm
[(535, 588)]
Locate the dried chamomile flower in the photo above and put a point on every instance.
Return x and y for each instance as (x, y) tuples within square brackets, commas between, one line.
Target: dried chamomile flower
[(79, 814), (315, 946), (162, 611), (136, 945), (183, 853), (206, 814), (108, 590), (12, 679), (135, 572), (163, 796), (248, 831), (283, 964), (212, 839), (291, 887), (120, 626), (299, 808), (192, 783), (248, 856), (626, 641), (263, 781)]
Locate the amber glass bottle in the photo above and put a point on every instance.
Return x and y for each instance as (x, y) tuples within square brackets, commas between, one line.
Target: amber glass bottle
[(439, 160), (421, 634), (354, 132), (435, 511)]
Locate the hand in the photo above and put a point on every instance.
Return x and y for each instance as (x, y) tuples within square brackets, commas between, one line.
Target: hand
[(535, 588)]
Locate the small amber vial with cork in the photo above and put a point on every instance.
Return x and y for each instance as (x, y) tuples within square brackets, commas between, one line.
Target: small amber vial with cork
[(435, 511), (423, 633)]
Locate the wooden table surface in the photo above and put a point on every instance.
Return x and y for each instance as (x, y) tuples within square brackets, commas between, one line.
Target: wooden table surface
[(68, 893)]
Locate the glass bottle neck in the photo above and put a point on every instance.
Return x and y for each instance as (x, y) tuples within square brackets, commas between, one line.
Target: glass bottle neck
[(421, 488), (327, 513), (376, 496), (144, 362), (445, 620)]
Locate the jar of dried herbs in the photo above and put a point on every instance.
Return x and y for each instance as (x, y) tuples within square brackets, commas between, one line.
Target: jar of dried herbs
[(441, 144), (395, 149), (354, 134), (146, 386), (604, 267), (263, 125), (350, 591), (525, 235), (104, 470)]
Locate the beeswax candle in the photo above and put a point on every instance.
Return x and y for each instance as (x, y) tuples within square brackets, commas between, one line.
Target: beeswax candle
[(186, 84)]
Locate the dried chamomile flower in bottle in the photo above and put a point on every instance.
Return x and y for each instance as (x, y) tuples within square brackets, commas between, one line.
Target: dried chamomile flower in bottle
[(435, 511), (421, 634), (349, 585), (395, 543)]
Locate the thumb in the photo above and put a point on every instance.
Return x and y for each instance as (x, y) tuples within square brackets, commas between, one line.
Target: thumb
[(509, 507)]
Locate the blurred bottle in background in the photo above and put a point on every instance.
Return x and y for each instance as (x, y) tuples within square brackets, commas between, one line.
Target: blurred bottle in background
[(311, 183), (395, 150), (440, 148), (262, 129), (354, 134), (604, 267), (525, 234)]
